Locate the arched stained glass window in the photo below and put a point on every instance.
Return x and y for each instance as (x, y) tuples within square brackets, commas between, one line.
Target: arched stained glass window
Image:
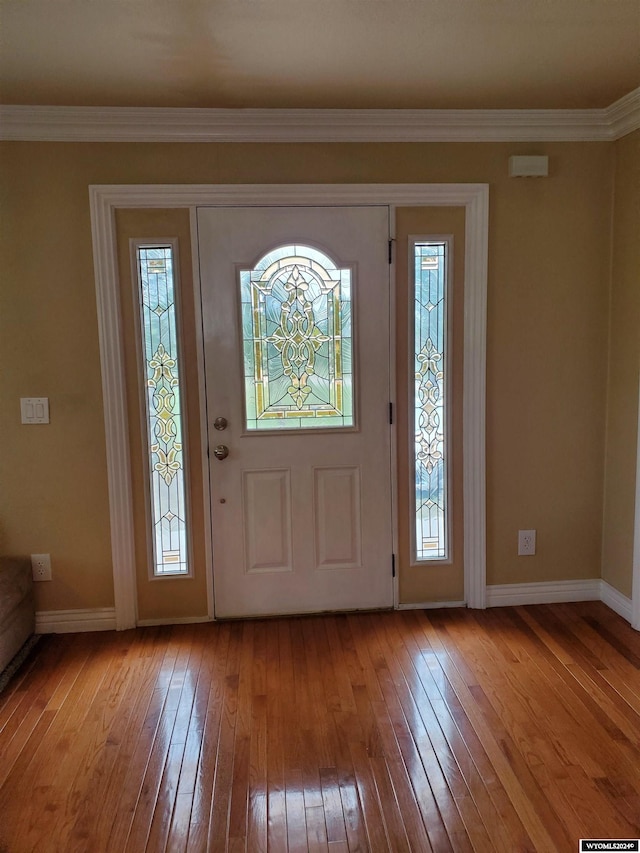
[(297, 341)]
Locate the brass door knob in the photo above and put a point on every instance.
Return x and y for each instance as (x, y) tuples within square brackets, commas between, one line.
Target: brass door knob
[(221, 451), (220, 423)]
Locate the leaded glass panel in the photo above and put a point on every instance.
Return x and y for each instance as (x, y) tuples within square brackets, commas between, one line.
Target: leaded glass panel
[(430, 277), (163, 409), (297, 341)]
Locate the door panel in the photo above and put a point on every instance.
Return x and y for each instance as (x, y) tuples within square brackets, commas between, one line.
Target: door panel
[(301, 514), (338, 522), (266, 515)]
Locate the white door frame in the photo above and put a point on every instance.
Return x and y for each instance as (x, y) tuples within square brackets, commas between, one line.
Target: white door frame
[(105, 199)]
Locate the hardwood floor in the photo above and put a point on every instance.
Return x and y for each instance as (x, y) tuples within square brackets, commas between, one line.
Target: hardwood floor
[(514, 729)]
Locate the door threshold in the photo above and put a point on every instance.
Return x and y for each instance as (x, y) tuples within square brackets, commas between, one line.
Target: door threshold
[(304, 614)]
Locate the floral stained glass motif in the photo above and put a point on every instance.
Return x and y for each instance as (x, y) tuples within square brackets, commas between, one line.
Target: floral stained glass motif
[(430, 259), (163, 409), (297, 341)]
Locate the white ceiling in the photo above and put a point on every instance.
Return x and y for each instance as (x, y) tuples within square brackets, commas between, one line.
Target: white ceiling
[(421, 54)]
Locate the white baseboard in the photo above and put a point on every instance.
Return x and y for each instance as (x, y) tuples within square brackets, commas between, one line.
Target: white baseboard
[(618, 602), (498, 595), (553, 592), (512, 594), (177, 620), (72, 621)]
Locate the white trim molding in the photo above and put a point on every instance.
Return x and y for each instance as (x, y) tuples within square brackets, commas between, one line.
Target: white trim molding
[(505, 595), (556, 592), (552, 592), (75, 621), (176, 124), (104, 200), (474, 399), (618, 602), (623, 116), (115, 411)]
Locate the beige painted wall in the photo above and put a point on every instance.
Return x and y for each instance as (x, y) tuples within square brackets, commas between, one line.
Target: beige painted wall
[(547, 337), (624, 369)]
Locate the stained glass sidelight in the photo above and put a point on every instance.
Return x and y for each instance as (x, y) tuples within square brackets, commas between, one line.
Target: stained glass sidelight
[(157, 294), (430, 277), (297, 341)]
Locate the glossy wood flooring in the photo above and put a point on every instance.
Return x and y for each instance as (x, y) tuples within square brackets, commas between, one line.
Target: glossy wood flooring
[(504, 730)]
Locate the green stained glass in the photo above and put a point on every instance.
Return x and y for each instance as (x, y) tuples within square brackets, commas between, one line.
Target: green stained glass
[(163, 409), (297, 341), (430, 496)]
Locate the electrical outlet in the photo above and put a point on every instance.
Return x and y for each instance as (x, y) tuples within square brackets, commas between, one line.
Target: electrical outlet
[(526, 543), (41, 567)]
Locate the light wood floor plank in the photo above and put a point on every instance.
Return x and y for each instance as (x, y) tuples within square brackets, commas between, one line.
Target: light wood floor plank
[(109, 770), (514, 729), (218, 829), (544, 827), (501, 815)]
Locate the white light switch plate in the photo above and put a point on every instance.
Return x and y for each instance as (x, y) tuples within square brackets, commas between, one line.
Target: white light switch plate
[(34, 410)]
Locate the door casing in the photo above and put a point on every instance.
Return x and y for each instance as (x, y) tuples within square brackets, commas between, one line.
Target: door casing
[(104, 199)]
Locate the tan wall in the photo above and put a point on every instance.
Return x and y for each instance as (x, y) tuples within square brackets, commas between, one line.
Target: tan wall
[(547, 336), (624, 364)]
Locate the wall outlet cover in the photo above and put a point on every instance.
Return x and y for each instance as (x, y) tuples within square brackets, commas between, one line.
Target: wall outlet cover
[(526, 543), (41, 567)]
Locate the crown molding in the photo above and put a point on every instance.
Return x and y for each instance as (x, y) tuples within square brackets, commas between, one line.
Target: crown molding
[(168, 124), (624, 115)]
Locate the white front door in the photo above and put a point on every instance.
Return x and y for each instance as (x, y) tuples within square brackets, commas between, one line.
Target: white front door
[(296, 328)]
